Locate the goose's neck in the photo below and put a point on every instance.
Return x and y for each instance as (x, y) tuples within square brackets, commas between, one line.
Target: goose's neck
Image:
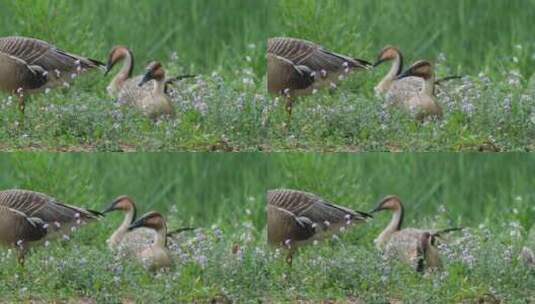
[(119, 234), (429, 86), (159, 87), (126, 71), (393, 226), (395, 70), (160, 239)]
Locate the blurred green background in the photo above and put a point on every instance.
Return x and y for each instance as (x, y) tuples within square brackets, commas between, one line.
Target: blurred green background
[(205, 34), (211, 188), (475, 35)]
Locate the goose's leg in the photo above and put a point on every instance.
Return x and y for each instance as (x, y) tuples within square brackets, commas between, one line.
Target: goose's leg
[(20, 255), (290, 255), (289, 108), (22, 105), (289, 258)]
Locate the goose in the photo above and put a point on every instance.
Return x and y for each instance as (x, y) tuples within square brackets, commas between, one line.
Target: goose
[(124, 79), (390, 84), (121, 239), (128, 242), (422, 103), (296, 218), (153, 102), (29, 65), (297, 67), (414, 246), (27, 217), (124, 76), (155, 256)]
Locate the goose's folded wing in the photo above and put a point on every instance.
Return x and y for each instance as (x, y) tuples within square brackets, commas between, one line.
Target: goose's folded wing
[(283, 73), (36, 204), (284, 225), (41, 53), (315, 57), (15, 226)]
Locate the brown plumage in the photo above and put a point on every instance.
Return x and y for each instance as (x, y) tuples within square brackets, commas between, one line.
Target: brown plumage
[(124, 77), (390, 86), (156, 256), (28, 216), (297, 67), (124, 241), (296, 217), (153, 103), (29, 65), (413, 246), (422, 104), (128, 242)]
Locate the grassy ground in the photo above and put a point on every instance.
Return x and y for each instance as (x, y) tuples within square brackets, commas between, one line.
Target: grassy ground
[(225, 195), (226, 108)]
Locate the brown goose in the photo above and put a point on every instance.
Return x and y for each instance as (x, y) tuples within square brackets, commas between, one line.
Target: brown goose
[(128, 242), (296, 218), (124, 80), (390, 85), (124, 77), (155, 102), (27, 217), (29, 65), (297, 67), (410, 245), (155, 256), (422, 103), (123, 240)]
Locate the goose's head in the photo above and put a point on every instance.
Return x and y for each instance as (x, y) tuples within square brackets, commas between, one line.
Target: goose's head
[(391, 202), (387, 54), (153, 71), (122, 203), (152, 220), (117, 54), (422, 69)]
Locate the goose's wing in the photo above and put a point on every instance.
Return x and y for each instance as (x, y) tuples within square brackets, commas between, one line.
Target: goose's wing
[(283, 225), (302, 52), (15, 227), (406, 245), (283, 74), (15, 74), (136, 241), (313, 207), (36, 204), (404, 89), (41, 53), (131, 93)]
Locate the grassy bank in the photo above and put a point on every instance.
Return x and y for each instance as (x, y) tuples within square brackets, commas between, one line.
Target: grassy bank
[(225, 195)]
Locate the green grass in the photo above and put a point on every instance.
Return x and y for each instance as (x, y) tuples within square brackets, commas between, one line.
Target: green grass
[(491, 195), (227, 107)]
